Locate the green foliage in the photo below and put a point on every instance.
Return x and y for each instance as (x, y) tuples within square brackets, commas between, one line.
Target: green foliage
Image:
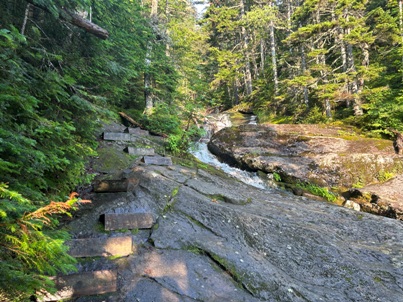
[(315, 116), (30, 249), (163, 119), (318, 191), (276, 176)]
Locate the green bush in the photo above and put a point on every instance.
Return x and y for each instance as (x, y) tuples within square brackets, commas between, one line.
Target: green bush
[(318, 191)]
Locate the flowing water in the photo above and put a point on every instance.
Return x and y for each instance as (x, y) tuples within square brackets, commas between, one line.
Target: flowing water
[(201, 152)]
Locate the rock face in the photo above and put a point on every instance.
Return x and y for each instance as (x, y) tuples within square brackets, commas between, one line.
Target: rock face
[(217, 239), (328, 157)]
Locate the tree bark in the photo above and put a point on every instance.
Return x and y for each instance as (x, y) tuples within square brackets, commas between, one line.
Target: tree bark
[(24, 23), (248, 74), (149, 101), (76, 20), (273, 56), (303, 69)]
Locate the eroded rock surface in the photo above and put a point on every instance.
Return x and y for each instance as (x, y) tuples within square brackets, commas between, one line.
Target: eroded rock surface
[(248, 245), (326, 156)]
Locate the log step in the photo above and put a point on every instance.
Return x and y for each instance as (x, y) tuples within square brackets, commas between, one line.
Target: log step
[(113, 186), (84, 284), (93, 247), (139, 151), (137, 131), (157, 160), (117, 136), (127, 221)]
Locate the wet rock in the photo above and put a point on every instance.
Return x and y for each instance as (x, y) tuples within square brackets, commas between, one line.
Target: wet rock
[(282, 248), (328, 157), (208, 244)]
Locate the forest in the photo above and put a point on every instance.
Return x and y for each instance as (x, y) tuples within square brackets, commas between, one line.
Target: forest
[(68, 66)]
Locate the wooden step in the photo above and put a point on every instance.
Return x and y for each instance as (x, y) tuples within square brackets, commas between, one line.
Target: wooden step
[(117, 136), (113, 186), (139, 151), (93, 247), (127, 221), (157, 160), (84, 284)]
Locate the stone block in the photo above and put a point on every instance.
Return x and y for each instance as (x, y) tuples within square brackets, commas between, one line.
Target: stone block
[(140, 151), (113, 186), (93, 247), (84, 284), (157, 160), (117, 136), (127, 221), (137, 131)]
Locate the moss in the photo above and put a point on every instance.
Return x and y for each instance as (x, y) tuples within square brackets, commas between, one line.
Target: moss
[(111, 159), (228, 267), (174, 192), (194, 250), (377, 279)]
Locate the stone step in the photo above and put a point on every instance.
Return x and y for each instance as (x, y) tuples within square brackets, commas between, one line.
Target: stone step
[(127, 221), (157, 160), (117, 136), (84, 284), (137, 131), (93, 247), (113, 186), (139, 151)]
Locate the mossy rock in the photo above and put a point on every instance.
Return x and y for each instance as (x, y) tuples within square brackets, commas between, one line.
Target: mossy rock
[(111, 160)]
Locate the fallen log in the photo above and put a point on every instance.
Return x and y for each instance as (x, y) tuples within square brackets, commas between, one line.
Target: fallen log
[(76, 20), (131, 121), (128, 119)]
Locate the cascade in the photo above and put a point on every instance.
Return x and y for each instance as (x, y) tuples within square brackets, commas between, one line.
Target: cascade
[(201, 152)]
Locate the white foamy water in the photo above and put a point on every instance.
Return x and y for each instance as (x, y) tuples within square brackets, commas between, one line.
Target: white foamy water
[(202, 153)]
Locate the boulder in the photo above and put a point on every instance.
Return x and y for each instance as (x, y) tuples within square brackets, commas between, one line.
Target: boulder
[(331, 157)]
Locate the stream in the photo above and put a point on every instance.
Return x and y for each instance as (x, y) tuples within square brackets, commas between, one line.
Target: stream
[(201, 152)]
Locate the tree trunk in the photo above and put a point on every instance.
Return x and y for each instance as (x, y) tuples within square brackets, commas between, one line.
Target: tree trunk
[(273, 55), (154, 10), (303, 69), (24, 23), (262, 57), (248, 74), (149, 102)]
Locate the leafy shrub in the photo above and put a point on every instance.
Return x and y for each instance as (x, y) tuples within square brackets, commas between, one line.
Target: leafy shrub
[(163, 119)]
